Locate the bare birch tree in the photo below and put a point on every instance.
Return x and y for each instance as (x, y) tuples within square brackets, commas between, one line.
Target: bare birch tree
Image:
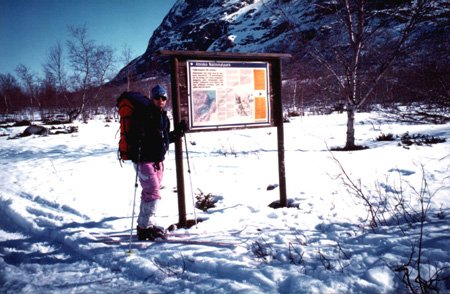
[(367, 50), (354, 45), (9, 89), (55, 68), (126, 58), (90, 64), (29, 81)]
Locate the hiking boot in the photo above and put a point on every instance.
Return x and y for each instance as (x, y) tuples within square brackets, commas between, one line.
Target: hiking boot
[(151, 233), (158, 232), (144, 234)]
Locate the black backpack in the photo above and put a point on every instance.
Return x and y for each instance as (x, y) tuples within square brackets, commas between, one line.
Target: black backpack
[(131, 109)]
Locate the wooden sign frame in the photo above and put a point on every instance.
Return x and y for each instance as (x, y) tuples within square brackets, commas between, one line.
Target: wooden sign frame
[(182, 109)]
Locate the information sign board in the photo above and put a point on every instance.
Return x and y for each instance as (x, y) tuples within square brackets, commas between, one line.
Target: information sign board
[(224, 94)]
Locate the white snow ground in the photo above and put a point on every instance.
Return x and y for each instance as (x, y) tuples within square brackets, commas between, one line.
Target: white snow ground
[(59, 193)]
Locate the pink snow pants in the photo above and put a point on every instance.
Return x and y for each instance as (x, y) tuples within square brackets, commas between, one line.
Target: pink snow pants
[(150, 176)]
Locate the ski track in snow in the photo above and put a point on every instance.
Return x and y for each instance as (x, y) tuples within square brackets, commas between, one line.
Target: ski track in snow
[(56, 197)]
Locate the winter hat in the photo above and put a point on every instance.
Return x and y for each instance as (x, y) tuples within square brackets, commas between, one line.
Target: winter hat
[(159, 91)]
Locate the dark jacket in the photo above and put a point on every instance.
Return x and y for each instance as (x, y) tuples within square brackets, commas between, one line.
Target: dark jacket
[(155, 135)]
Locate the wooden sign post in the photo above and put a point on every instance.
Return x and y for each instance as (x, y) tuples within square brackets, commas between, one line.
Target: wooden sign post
[(198, 90)]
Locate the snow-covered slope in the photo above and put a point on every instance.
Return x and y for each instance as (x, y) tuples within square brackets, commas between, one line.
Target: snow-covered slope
[(59, 194), (267, 26)]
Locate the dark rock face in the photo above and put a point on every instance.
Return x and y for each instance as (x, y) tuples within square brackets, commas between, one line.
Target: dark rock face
[(211, 25), (267, 26)]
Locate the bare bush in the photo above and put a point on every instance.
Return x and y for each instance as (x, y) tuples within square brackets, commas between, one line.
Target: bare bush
[(175, 267), (404, 206), (263, 250)]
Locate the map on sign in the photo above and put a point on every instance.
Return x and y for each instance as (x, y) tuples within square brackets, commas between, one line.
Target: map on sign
[(228, 94)]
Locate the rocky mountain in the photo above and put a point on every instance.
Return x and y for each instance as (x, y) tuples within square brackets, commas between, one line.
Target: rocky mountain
[(287, 26), (217, 25)]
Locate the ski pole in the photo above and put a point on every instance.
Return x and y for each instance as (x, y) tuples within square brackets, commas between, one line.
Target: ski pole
[(134, 199), (190, 178)]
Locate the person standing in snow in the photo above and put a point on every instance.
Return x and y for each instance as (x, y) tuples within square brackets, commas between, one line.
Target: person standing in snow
[(150, 164)]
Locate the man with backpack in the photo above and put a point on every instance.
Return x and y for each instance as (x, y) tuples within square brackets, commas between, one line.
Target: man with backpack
[(145, 138)]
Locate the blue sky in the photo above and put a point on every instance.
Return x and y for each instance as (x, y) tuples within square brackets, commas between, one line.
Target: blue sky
[(29, 28)]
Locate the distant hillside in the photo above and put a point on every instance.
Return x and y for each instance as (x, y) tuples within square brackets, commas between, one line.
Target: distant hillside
[(291, 26)]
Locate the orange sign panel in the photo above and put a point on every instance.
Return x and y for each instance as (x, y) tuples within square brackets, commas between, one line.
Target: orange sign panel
[(260, 108), (259, 78)]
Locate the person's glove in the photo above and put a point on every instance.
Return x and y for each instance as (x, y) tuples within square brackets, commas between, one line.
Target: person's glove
[(181, 128)]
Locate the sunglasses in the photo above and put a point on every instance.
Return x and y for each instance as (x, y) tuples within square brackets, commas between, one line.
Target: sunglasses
[(163, 98)]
